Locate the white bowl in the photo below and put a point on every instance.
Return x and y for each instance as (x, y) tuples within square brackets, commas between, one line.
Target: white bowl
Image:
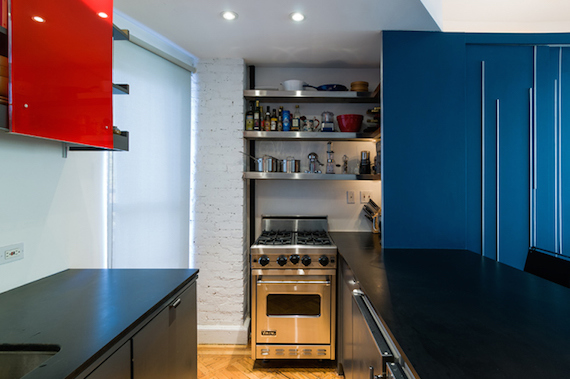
[(293, 85)]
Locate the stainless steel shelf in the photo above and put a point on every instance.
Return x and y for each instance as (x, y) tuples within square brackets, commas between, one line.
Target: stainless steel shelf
[(120, 143), (311, 96), (120, 89), (4, 117), (311, 136), (304, 176), (120, 34)]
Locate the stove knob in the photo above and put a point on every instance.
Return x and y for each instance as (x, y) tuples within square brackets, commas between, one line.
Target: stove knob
[(294, 259), (282, 260), (306, 260), (324, 260), (264, 260)]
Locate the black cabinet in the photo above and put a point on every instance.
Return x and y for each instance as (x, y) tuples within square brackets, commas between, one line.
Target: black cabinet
[(368, 362), (167, 346), (117, 366), (346, 284), (163, 347), (362, 351)]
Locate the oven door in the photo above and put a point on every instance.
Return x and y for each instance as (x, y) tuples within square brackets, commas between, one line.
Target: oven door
[(292, 309)]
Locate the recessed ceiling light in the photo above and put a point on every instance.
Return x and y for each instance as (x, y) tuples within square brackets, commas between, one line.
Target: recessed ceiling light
[(229, 15), (102, 15), (38, 19), (298, 17)]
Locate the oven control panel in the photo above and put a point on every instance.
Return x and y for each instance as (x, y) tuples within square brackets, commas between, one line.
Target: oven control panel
[(293, 351), (295, 260)]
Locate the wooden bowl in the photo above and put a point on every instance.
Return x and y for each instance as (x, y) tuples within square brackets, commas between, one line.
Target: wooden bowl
[(359, 86)]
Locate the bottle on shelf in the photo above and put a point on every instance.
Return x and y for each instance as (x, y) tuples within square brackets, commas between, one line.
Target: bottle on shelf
[(274, 120), (256, 117), (249, 118), (286, 121), (267, 122), (296, 121), (280, 119)]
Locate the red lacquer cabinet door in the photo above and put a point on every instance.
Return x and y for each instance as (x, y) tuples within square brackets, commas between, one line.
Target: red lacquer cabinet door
[(61, 70)]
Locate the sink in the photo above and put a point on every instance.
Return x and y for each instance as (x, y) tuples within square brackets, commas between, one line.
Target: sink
[(18, 360)]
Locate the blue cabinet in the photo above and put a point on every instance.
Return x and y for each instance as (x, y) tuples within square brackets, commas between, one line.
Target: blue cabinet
[(476, 155), (565, 151), (545, 206), (551, 188), (499, 121), (423, 140)]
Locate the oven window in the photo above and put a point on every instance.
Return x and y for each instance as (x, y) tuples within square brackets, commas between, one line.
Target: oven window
[(293, 305)]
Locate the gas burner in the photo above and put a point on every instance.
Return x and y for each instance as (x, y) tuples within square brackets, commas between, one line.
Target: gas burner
[(275, 241), (314, 241), (276, 234), (317, 238), (311, 233), (271, 237)]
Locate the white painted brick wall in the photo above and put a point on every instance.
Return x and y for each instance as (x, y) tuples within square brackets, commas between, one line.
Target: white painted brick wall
[(218, 199)]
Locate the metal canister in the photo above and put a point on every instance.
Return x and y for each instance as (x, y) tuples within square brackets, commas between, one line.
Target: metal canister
[(282, 166), (286, 121), (268, 163), (297, 165), (290, 165), (259, 164)]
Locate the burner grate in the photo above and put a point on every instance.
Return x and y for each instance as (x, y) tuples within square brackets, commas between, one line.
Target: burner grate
[(313, 238), (276, 238)]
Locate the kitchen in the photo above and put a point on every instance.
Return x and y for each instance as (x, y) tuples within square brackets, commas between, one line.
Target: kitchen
[(64, 208)]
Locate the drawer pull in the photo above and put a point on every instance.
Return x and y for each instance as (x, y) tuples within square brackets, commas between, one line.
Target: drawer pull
[(176, 303)]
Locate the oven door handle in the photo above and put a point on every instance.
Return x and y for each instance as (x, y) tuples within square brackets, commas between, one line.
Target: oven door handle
[(327, 282)]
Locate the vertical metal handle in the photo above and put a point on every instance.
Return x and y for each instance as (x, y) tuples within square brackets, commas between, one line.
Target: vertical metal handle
[(534, 148), (371, 372), (532, 169), (560, 215), (498, 192), (483, 158), (556, 170)]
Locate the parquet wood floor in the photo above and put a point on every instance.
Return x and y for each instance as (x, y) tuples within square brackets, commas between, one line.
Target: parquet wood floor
[(234, 362)]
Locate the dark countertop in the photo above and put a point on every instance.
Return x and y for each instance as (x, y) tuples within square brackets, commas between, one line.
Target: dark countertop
[(456, 314), (85, 312)]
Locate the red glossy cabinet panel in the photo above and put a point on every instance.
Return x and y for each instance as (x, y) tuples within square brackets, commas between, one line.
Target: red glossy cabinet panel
[(61, 70)]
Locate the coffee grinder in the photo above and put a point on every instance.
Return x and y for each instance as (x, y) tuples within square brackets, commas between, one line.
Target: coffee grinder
[(365, 162), (327, 123)]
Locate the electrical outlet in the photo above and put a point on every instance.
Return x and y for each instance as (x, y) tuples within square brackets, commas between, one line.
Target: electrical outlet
[(11, 253), (365, 196), (350, 197)]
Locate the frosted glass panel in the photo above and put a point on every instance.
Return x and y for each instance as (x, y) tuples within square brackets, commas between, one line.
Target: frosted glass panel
[(150, 187)]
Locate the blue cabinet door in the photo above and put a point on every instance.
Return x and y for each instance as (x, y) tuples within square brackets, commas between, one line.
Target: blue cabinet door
[(565, 151), (551, 212), (545, 207), (500, 79)]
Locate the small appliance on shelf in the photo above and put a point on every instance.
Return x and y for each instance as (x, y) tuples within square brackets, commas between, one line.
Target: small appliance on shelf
[(327, 123)]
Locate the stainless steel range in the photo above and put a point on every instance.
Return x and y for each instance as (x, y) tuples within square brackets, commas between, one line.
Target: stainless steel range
[(293, 271)]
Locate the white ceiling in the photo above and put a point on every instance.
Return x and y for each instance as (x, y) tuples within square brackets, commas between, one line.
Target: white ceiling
[(522, 16), (335, 33)]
